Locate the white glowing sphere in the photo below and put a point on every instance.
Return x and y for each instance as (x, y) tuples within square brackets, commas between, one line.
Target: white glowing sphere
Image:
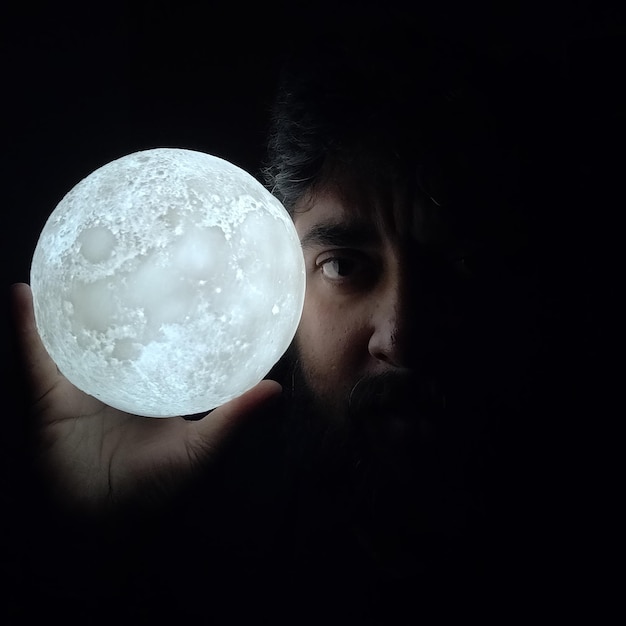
[(167, 282)]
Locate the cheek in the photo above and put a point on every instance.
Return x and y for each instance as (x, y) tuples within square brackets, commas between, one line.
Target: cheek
[(332, 346)]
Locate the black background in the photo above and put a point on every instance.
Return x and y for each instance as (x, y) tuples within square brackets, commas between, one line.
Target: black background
[(82, 86)]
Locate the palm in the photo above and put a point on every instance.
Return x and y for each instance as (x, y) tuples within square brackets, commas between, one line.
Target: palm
[(98, 455), (93, 449)]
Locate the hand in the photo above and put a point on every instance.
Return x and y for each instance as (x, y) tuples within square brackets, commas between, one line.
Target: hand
[(97, 457)]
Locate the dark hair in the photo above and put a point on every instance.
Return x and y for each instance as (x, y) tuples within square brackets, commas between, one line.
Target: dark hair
[(474, 129), (381, 107)]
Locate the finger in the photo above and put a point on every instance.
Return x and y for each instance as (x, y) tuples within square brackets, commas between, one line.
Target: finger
[(40, 370), (217, 425)]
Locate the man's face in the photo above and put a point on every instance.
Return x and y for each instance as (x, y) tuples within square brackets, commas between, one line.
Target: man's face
[(399, 339), (412, 349), (356, 324)]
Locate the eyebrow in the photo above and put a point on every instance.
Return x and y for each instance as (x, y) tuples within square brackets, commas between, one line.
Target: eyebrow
[(340, 234)]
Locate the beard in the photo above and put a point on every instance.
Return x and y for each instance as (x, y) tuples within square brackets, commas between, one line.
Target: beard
[(395, 458)]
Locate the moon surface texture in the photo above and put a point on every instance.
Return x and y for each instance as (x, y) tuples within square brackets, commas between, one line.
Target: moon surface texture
[(167, 282)]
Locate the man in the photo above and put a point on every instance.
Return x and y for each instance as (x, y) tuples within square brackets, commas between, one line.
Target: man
[(370, 483)]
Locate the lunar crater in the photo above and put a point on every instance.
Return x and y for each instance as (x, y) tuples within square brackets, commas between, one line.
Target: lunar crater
[(159, 280)]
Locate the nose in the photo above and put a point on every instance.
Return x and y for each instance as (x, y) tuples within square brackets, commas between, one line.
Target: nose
[(390, 341)]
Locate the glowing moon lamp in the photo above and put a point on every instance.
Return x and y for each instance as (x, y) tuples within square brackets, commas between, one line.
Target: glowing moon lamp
[(167, 282)]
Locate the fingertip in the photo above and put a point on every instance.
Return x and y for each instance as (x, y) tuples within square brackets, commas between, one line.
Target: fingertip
[(260, 394), (272, 387), (217, 424), (17, 289)]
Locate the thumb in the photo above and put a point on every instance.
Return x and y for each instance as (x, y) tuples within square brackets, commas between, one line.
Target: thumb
[(213, 429)]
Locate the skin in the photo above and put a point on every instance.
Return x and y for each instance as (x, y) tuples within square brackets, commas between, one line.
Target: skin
[(372, 313), (354, 319), (95, 458), (364, 297), (370, 310), (396, 292)]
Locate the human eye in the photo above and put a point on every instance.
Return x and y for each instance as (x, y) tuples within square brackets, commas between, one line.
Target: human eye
[(346, 268), (337, 268)]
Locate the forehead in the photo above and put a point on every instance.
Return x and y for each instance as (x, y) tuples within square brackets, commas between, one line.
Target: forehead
[(403, 214), (363, 216)]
